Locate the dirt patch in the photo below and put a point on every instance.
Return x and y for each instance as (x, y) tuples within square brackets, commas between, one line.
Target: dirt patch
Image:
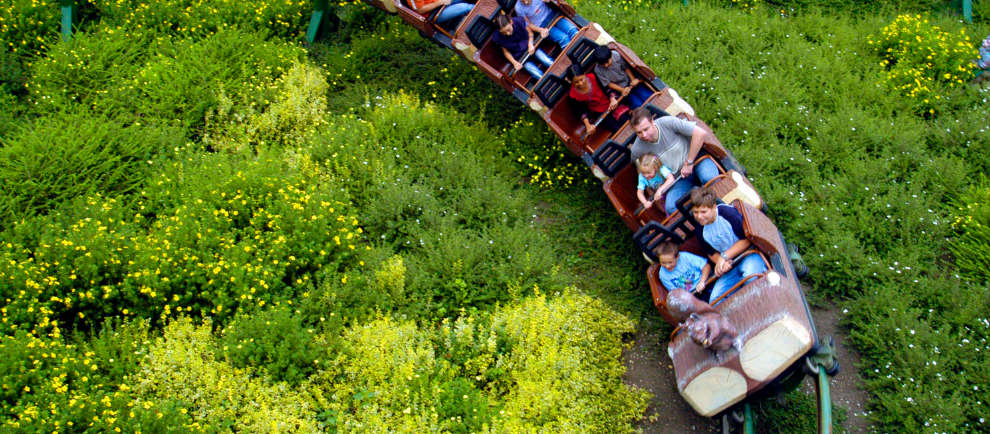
[(649, 368), (847, 386)]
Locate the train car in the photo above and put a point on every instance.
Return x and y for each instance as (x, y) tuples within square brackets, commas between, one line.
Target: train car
[(776, 334)]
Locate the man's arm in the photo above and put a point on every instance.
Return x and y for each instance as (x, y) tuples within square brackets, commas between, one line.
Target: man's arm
[(698, 137)]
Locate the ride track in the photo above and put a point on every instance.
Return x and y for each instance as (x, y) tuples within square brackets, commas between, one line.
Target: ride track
[(778, 342)]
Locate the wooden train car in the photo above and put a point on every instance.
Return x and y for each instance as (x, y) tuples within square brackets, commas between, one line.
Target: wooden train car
[(768, 310)]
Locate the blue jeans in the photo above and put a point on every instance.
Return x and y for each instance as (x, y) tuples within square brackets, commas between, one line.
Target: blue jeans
[(457, 9), (638, 95), (704, 171), (749, 265), (535, 70), (562, 32)]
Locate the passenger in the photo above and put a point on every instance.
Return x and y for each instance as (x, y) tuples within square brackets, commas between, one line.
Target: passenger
[(614, 74), (677, 143), (516, 39), (650, 185), (682, 270), (585, 89), (721, 232), (537, 14), (455, 10), (983, 63)]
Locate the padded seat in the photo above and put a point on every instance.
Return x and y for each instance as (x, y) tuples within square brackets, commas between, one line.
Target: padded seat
[(611, 157), (582, 53), (552, 89), (480, 31)]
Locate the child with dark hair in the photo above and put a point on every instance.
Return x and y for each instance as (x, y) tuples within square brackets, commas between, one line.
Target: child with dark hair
[(615, 76), (720, 229), (585, 90), (516, 39), (682, 270)]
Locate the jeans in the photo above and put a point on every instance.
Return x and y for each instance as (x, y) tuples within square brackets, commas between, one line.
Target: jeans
[(535, 70), (457, 9), (749, 265), (562, 32), (704, 171), (638, 95)]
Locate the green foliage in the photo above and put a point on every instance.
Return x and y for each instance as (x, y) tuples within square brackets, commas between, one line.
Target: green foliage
[(547, 364), (286, 19), (293, 117), (434, 191), (27, 25), (176, 80), (921, 58), (211, 233), (972, 223), (275, 340), (65, 155), (181, 366)]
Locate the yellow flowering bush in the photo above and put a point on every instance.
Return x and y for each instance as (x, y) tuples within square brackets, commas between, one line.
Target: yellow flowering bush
[(921, 59), (211, 234), (27, 26), (182, 366)]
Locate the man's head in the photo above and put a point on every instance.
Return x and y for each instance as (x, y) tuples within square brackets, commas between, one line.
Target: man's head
[(504, 24), (642, 122), (703, 205), (667, 252), (602, 56)]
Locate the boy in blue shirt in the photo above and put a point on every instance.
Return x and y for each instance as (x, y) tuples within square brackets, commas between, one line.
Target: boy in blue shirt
[(721, 232), (682, 270), (537, 14)]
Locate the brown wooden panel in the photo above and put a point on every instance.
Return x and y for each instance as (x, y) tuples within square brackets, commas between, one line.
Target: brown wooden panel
[(751, 310), (761, 231), (635, 63), (415, 19)]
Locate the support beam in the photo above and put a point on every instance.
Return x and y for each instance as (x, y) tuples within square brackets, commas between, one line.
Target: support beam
[(320, 9), (66, 6)]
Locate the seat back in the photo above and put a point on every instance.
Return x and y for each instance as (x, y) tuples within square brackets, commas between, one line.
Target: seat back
[(480, 31), (552, 89), (651, 235), (508, 6), (582, 53), (611, 157)]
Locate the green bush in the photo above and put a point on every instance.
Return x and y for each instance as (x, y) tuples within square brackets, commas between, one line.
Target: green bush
[(285, 19), (26, 26), (209, 234), (277, 341), (181, 366), (172, 79), (972, 223), (921, 58), (65, 155)]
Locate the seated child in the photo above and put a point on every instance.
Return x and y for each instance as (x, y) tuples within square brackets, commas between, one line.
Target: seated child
[(516, 39), (614, 75), (682, 270), (456, 9), (537, 14), (585, 89), (650, 185), (721, 232)]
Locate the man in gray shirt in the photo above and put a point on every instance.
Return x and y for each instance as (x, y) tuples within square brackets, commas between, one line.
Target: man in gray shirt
[(615, 77), (677, 143)]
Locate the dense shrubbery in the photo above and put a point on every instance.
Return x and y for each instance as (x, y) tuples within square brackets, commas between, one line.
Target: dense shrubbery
[(921, 58)]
